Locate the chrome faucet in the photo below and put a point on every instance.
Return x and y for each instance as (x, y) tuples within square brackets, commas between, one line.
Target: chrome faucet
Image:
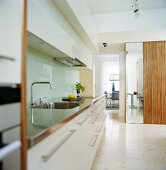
[(39, 82)]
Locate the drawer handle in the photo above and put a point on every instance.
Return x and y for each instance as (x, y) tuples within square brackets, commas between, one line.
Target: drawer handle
[(98, 129), (8, 149), (57, 145), (82, 120), (93, 140), (7, 58)]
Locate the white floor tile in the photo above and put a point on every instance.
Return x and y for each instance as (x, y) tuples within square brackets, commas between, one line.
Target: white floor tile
[(131, 146)]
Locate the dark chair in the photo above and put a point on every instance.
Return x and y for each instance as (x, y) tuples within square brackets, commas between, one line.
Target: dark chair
[(108, 98), (115, 99)]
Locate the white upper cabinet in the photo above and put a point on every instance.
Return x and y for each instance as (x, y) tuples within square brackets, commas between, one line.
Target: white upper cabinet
[(87, 58), (83, 54), (11, 12), (47, 22)]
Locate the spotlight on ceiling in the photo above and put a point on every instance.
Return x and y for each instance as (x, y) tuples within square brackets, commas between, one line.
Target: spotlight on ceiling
[(104, 44), (135, 8)]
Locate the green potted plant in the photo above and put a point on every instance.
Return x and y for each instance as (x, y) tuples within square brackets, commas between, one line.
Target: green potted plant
[(79, 88)]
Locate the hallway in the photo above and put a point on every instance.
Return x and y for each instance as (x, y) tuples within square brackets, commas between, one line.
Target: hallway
[(131, 146)]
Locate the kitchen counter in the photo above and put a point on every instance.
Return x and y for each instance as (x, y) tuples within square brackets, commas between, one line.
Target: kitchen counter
[(43, 122)]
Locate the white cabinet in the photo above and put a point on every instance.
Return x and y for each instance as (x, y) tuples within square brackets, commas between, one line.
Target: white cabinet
[(72, 147), (83, 54), (46, 22), (41, 156), (11, 111), (12, 160), (10, 40)]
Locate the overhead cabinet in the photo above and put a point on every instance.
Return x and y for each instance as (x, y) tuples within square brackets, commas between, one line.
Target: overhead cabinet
[(83, 54), (43, 18), (46, 22)]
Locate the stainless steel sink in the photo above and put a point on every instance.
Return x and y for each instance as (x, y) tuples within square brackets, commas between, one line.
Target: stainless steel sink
[(55, 105)]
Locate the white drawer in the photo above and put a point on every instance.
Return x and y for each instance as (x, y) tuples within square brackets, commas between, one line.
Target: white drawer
[(10, 115)]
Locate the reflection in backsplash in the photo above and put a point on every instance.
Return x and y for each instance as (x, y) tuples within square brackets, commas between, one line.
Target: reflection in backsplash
[(42, 68)]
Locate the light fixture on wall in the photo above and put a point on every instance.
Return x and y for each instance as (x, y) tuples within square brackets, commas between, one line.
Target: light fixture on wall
[(135, 7)]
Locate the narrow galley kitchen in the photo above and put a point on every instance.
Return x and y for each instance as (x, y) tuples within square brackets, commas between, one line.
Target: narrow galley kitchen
[(82, 85)]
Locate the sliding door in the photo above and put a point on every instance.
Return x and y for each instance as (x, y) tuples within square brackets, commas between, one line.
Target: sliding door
[(155, 82)]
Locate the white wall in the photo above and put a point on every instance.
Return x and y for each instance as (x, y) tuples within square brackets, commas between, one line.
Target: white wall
[(111, 48), (97, 77), (133, 36)]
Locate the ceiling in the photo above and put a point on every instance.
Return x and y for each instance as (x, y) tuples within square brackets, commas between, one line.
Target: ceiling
[(108, 6), (115, 22)]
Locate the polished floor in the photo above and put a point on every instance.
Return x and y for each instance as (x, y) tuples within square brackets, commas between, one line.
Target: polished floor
[(134, 115), (131, 146)]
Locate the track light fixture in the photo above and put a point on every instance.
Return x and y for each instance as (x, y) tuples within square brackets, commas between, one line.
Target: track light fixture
[(104, 44), (135, 8)]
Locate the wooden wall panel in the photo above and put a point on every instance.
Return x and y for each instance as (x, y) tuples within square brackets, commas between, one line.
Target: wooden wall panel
[(23, 89), (155, 82), (163, 120)]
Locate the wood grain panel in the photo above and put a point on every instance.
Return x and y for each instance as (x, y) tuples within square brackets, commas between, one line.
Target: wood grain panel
[(155, 82), (163, 120), (23, 89)]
